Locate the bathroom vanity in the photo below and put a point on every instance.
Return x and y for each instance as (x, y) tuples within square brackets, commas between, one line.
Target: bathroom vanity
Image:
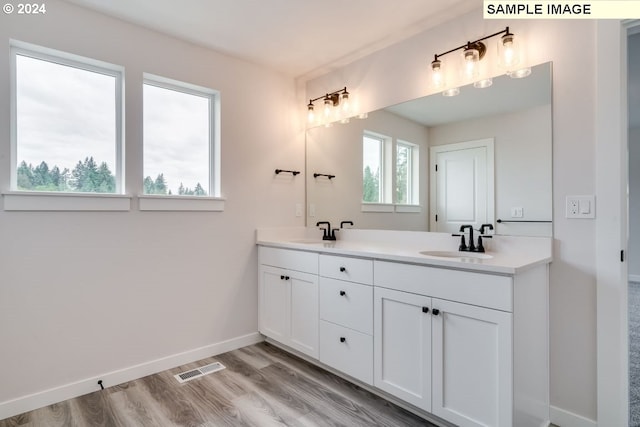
[(460, 336)]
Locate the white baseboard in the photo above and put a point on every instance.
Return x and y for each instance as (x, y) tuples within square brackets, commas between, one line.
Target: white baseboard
[(68, 391), (563, 418), (634, 278)]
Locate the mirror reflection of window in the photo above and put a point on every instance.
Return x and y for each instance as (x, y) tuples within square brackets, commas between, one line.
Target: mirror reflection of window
[(407, 179), (372, 162)]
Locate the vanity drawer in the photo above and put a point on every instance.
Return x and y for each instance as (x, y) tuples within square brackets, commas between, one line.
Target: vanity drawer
[(485, 290), (347, 350), (345, 268), (292, 260), (347, 304)]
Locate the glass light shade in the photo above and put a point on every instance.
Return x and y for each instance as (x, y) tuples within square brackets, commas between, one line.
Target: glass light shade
[(311, 116), (508, 52), (483, 83), (437, 75), (520, 73), (328, 106), (471, 64), (452, 91), (345, 103)]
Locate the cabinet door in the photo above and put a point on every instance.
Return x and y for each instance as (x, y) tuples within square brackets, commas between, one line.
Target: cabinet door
[(274, 301), (402, 346), (472, 365), (304, 313)]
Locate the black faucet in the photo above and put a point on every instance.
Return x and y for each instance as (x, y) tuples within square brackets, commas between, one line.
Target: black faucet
[(480, 247), (471, 247), (342, 223), (328, 233)]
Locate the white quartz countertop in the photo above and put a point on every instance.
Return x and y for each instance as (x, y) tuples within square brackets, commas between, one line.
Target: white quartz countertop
[(509, 255)]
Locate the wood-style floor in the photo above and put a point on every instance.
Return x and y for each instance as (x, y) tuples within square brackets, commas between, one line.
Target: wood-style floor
[(261, 386)]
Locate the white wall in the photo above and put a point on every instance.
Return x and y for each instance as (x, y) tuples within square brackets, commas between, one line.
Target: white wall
[(86, 293), (399, 73), (522, 163)]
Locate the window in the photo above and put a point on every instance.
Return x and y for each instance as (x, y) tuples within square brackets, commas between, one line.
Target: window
[(66, 123), (383, 170), (180, 150), (407, 180), (372, 164)]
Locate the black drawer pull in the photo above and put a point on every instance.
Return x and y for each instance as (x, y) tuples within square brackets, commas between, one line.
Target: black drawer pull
[(342, 293), (435, 311), (343, 269), (425, 309), (343, 339)]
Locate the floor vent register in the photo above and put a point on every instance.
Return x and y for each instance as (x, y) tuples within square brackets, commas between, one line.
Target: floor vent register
[(199, 372)]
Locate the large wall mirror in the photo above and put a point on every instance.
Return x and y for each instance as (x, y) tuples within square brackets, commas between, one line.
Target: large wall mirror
[(492, 149)]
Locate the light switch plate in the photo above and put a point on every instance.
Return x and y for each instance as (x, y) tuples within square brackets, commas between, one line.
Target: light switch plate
[(581, 207)]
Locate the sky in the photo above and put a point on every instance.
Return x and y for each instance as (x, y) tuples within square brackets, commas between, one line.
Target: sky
[(66, 114)]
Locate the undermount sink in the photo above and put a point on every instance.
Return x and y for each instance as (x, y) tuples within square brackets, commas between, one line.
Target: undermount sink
[(457, 255)]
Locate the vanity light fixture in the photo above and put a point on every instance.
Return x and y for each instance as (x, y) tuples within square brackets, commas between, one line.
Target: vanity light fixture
[(336, 106), (472, 53)]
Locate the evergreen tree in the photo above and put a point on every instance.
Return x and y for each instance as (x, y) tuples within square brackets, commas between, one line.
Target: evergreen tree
[(371, 186), (149, 186), (160, 185), (104, 180), (401, 177), (41, 179), (25, 176), (199, 191)]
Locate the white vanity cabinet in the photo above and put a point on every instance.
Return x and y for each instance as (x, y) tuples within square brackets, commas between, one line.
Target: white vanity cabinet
[(288, 298), (468, 345), (445, 342), (346, 315)]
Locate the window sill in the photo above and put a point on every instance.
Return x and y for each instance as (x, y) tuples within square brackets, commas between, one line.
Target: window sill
[(390, 208), (408, 208), (43, 201), (180, 203), (377, 207)]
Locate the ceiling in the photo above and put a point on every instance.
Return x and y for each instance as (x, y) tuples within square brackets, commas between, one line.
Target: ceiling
[(296, 37)]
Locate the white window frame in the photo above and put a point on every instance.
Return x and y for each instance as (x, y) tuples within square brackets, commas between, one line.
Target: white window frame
[(19, 200), (213, 202), (413, 172)]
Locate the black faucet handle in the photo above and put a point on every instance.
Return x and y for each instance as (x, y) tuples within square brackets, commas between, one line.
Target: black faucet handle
[(483, 226), (463, 243)]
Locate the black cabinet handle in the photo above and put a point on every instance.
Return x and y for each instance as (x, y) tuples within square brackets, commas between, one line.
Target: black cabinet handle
[(425, 309), (435, 311), (281, 277), (342, 339), (343, 269), (342, 293)]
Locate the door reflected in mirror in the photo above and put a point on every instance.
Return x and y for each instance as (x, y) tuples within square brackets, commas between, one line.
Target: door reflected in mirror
[(514, 113)]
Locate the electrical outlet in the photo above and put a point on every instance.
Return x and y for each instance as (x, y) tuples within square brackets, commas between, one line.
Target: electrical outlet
[(298, 209), (312, 210), (580, 207)]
